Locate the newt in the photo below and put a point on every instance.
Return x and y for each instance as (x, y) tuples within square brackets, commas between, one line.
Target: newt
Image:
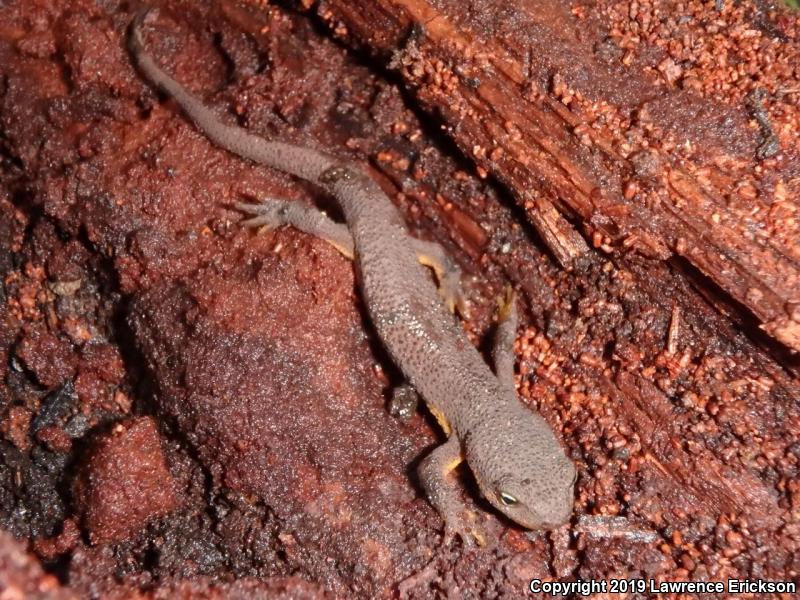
[(517, 462)]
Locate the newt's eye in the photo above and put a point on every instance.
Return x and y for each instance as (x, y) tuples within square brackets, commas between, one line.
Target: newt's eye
[(507, 499)]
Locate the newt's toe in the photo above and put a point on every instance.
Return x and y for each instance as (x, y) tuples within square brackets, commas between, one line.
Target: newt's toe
[(467, 528), (453, 294), (506, 304), (265, 215)]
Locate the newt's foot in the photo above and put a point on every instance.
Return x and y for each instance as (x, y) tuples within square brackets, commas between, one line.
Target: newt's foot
[(266, 215), (448, 274), (274, 212), (506, 306), (466, 527), (452, 292)]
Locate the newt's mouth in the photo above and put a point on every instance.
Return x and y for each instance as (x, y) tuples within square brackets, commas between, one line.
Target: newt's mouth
[(551, 517), (537, 523)]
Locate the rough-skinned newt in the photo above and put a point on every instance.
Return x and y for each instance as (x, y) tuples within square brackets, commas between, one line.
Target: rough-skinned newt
[(517, 462)]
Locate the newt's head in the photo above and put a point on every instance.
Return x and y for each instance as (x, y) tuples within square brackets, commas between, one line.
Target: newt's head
[(522, 470)]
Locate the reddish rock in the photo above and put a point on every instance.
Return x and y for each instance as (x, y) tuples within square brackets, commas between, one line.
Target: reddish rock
[(55, 438), (49, 358), (15, 427), (65, 541), (92, 391), (126, 482), (105, 360)]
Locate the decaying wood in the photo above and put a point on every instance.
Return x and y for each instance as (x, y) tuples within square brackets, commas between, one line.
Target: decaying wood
[(567, 245), (504, 96)]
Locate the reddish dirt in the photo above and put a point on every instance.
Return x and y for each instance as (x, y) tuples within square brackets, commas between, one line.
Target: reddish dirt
[(125, 483), (21, 575), (149, 345)]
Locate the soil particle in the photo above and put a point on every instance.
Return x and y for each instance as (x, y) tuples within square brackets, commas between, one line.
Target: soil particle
[(48, 357), (22, 577), (126, 482), (51, 548), (30, 502)]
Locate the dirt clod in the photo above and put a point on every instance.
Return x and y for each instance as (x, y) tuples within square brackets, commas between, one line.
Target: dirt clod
[(126, 482)]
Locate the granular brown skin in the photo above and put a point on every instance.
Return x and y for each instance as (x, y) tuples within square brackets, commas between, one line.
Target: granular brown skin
[(144, 206)]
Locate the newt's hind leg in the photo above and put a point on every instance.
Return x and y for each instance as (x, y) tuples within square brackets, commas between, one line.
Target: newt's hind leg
[(436, 474), (447, 272), (504, 337), (274, 213)]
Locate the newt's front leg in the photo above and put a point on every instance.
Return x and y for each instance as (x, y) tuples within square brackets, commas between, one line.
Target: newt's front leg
[(273, 213), (436, 474), (504, 338)]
